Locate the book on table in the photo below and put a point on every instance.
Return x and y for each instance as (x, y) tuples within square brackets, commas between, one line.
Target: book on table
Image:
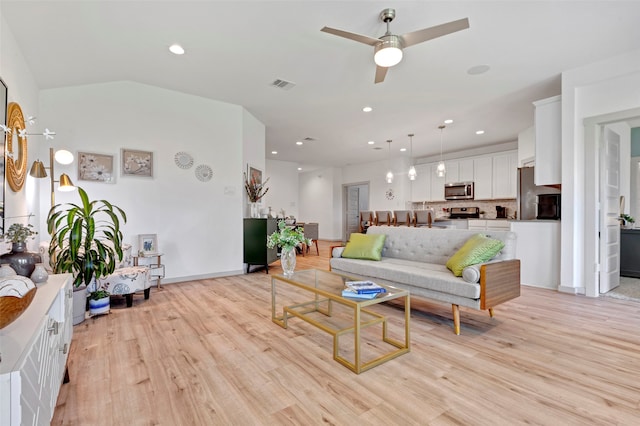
[(363, 296), (365, 287)]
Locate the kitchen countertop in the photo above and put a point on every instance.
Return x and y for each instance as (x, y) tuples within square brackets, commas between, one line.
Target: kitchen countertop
[(446, 219)]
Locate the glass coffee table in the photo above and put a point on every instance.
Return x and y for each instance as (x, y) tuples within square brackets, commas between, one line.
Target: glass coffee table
[(320, 291)]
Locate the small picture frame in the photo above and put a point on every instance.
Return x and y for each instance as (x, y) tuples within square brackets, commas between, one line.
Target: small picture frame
[(137, 163), (95, 167), (147, 244), (253, 173)]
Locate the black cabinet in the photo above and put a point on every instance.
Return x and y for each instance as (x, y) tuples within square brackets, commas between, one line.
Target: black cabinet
[(630, 253), (255, 242)]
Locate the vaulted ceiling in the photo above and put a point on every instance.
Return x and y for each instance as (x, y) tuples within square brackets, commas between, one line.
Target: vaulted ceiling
[(236, 49)]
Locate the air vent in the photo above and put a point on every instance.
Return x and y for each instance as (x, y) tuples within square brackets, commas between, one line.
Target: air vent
[(377, 148), (308, 139), (283, 84)]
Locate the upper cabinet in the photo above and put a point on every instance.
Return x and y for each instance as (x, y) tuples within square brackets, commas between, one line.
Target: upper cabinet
[(548, 141), (437, 183), (452, 175), (482, 177), (505, 175), (421, 187)]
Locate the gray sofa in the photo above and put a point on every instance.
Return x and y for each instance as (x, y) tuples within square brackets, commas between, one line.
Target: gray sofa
[(414, 259)]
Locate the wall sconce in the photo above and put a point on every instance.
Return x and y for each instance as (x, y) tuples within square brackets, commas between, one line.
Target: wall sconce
[(38, 170)]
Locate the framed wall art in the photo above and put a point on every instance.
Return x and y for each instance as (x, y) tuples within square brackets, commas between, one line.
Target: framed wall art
[(95, 167), (137, 163), (147, 244), (254, 174)]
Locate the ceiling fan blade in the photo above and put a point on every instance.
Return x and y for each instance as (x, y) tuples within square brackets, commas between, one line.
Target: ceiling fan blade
[(381, 73), (352, 36), (430, 33)]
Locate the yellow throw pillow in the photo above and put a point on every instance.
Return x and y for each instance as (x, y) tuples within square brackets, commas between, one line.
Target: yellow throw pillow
[(363, 246), (477, 249)]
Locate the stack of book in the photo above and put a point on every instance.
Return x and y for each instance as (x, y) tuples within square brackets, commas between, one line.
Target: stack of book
[(362, 290)]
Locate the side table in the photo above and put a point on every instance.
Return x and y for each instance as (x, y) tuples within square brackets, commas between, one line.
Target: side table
[(156, 268)]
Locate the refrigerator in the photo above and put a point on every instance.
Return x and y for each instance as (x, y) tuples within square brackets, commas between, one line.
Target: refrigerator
[(528, 193)]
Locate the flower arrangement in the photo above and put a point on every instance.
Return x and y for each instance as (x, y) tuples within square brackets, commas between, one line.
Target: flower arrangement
[(255, 190), (287, 237), (18, 233)]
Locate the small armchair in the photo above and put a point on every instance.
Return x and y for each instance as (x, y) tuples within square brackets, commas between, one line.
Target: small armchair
[(311, 233)]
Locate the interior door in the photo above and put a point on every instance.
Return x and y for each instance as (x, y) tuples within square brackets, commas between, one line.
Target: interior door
[(353, 210), (610, 211)]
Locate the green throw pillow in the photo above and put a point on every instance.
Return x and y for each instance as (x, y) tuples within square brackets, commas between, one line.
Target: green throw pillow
[(477, 249), (363, 246)]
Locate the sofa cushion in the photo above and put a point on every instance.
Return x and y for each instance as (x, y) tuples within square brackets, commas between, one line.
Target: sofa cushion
[(477, 249), (432, 276), (363, 246)]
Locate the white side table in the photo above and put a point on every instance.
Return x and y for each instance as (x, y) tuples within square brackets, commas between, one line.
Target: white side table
[(156, 267)]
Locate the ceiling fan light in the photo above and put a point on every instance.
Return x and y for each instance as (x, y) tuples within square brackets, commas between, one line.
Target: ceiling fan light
[(412, 173), (389, 52)]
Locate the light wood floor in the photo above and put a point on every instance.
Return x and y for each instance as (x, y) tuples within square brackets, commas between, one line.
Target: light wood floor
[(206, 353)]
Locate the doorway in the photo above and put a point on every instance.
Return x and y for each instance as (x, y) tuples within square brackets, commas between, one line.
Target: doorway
[(355, 200), (595, 213)]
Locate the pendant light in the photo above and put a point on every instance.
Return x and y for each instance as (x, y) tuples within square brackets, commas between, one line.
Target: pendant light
[(441, 169), (389, 176), (412, 170)]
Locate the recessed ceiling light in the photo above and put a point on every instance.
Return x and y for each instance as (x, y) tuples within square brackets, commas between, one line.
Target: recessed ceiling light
[(367, 109), (448, 121), (478, 69), (299, 143), (403, 149), (299, 169), (176, 49), (371, 142), (274, 152), (479, 132)]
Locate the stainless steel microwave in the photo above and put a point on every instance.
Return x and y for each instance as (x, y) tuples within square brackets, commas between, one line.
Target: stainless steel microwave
[(458, 191)]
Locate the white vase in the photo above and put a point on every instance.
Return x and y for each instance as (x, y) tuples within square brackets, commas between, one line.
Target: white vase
[(6, 270), (255, 210), (288, 261), (39, 274)]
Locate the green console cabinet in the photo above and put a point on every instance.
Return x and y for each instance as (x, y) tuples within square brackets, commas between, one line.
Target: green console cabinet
[(255, 242)]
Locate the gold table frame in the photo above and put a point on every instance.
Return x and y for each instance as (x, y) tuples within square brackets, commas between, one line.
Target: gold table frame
[(323, 296)]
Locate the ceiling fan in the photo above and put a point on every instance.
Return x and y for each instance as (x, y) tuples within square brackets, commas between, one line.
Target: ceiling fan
[(388, 48)]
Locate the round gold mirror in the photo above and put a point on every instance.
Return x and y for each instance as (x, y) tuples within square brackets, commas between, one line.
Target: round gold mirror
[(16, 148)]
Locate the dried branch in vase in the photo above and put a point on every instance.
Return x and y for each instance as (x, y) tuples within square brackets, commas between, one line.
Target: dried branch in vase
[(255, 190)]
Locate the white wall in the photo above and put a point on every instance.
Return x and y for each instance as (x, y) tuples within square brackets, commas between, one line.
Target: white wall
[(23, 90), (253, 151), (199, 224), (600, 88), (283, 188), (321, 202)]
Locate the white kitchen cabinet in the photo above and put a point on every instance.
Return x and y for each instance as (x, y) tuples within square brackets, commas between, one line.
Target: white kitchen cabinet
[(488, 224), (421, 187), (538, 248), (504, 176), (482, 177), (548, 141), (465, 170), (35, 348), (452, 175), (437, 184)]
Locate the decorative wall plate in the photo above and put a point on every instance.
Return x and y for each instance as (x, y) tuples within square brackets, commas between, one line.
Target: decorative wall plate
[(183, 160), (16, 155), (389, 194), (204, 173)]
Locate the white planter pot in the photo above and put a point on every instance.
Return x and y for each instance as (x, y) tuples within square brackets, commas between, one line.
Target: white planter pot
[(100, 306), (79, 304)]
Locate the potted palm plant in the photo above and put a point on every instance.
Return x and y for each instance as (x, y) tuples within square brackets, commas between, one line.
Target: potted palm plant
[(86, 241)]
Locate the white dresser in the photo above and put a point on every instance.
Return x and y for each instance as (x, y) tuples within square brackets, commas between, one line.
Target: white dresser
[(34, 350)]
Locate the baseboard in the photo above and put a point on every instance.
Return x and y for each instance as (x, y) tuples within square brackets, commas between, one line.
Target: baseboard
[(200, 277), (572, 290)]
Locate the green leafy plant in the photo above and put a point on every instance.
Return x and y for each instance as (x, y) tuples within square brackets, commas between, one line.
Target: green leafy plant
[(18, 233), (255, 190), (287, 237), (85, 239), (626, 218)]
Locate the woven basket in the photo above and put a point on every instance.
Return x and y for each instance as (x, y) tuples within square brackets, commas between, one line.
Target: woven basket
[(12, 307)]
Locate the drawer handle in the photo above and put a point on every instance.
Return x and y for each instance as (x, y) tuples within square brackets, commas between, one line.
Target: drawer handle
[(70, 294), (55, 327), (64, 348)]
